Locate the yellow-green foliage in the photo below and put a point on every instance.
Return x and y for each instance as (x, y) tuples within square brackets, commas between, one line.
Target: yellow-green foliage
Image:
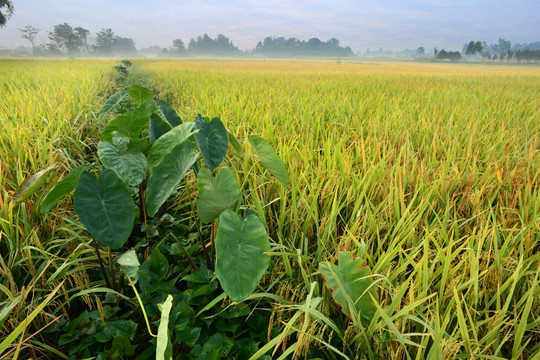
[(46, 112), (44, 105), (436, 167)]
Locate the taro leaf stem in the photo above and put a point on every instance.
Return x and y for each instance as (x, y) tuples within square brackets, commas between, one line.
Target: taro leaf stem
[(142, 306), (213, 244), (120, 282), (206, 257), (107, 279), (142, 205), (111, 266)]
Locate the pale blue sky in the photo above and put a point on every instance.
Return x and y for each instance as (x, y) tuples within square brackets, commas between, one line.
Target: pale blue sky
[(390, 24)]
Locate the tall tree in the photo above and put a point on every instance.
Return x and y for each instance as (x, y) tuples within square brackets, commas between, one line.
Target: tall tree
[(6, 10), (65, 38), (205, 45), (105, 40), (421, 51), (29, 33), (82, 33), (124, 46), (178, 47)]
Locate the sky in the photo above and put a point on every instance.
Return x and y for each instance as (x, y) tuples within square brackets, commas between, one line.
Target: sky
[(361, 24)]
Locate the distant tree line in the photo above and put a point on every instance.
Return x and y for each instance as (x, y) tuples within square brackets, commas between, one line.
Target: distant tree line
[(280, 46), (73, 41), (203, 46), (270, 46), (503, 50), (453, 56)]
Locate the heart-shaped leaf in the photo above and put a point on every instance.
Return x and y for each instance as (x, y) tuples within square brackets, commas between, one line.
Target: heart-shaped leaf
[(181, 316), (351, 285), (117, 328), (105, 208), (170, 115), (158, 127), (166, 176), (169, 141), (129, 264), (212, 140), (130, 124), (140, 94), (130, 167), (139, 145), (61, 189), (240, 258), (216, 194), (152, 271), (270, 159)]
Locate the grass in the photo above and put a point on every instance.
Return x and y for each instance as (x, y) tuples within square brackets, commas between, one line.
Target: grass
[(436, 167)]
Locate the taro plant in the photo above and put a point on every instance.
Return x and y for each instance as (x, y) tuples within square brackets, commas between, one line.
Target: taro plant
[(351, 283), (144, 155), (125, 199)]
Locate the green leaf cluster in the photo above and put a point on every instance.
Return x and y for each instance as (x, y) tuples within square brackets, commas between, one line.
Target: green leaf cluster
[(127, 200)]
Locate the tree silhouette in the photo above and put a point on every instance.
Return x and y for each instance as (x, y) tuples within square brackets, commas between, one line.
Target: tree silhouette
[(281, 46), (29, 33), (105, 40), (6, 10), (65, 38), (82, 33), (205, 45)]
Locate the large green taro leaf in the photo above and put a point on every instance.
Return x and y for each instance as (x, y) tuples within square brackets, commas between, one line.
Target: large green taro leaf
[(351, 285), (140, 94), (170, 114), (111, 103), (129, 166), (212, 139), (158, 127), (166, 176), (105, 208), (270, 159), (130, 124), (152, 271), (240, 258), (216, 194), (61, 189), (169, 141)]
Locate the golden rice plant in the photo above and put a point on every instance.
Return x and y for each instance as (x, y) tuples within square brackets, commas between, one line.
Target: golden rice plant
[(435, 167), (46, 114)]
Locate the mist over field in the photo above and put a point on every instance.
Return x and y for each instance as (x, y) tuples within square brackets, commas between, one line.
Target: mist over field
[(364, 26)]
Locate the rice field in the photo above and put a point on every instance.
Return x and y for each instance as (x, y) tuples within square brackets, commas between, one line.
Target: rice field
[(45, 106), (47, 118), (431, 171), (435, 167)]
